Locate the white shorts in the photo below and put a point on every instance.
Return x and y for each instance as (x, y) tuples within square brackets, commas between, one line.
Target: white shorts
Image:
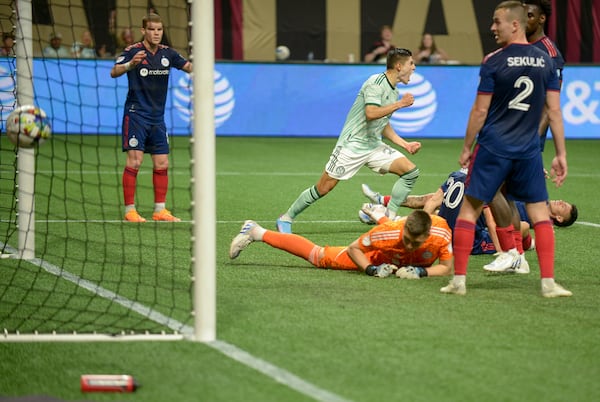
[(344, 164)]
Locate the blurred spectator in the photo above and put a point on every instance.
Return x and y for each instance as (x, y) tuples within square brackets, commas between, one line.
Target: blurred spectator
[(8, 41), (103, 52), (127, 38), (84, 49), (378, 51), (428, 52), (56, 49)]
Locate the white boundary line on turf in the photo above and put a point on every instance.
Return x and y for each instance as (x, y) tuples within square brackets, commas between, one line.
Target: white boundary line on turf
[(595, 225), (280, 375)]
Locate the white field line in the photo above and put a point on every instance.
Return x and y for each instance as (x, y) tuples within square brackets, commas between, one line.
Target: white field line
[(280, 375), (329, 221)]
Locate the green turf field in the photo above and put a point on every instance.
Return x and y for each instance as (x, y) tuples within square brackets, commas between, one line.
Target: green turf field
[(287, 331)]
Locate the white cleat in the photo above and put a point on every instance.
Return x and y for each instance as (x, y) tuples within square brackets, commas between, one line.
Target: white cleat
[(523, 266), (374, 211), (507, 262), (242, 240), (555, 290), (374, 196), (365, 218), (455, 287)]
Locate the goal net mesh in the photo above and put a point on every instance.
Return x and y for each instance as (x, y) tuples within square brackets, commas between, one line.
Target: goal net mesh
[(93, 273)]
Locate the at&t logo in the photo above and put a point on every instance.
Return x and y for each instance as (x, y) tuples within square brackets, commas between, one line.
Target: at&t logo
[(417, 116), (580, 107), (224, 98)]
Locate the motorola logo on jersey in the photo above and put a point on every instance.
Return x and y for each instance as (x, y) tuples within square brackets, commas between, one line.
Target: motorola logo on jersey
[(224, 98), (415, 117), (144, 72)]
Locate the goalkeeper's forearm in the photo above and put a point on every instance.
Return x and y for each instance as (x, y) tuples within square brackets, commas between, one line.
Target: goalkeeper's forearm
[(357, 256), (442, 269)]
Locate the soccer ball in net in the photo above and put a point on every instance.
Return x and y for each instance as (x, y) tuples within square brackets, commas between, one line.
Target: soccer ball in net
[(28, 125)]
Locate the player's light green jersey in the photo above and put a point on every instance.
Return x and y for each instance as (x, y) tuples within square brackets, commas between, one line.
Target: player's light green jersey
[(358, 134)]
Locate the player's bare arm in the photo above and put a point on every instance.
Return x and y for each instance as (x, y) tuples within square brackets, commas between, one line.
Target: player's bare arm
[(476, 120), (558, 171), (411, 146), (357, 256), (120, 69), (434, 201), (417, 201), (444, 268)]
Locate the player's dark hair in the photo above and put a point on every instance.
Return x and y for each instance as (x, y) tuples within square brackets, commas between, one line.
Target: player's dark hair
[(397, 55), (544, 5), (418, 223), (570, 221)]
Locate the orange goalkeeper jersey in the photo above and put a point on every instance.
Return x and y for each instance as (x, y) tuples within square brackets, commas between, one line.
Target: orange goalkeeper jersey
[(383, 244)]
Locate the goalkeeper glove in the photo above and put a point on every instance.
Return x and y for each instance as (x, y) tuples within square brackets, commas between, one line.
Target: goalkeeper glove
[(380, 271), (410, 272)]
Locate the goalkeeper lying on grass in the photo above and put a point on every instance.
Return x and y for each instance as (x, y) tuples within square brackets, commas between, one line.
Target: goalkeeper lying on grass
[(408, 247)]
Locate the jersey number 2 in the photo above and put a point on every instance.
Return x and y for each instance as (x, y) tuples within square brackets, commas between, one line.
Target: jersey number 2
[(518, 101)]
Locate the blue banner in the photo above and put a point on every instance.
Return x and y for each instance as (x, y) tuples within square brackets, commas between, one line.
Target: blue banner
[(283, 99)]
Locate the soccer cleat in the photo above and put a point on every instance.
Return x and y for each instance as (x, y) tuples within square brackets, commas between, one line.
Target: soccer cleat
[(365, 218), (374, 196), (165, 216), (242, 240), (133, 216), (523, 266), (455, 287), (555, 290), (507, 262), (532, 246), (284, 226), (375, 211)]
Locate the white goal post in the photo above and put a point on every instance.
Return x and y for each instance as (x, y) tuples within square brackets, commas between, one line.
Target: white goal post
[(203, 188)]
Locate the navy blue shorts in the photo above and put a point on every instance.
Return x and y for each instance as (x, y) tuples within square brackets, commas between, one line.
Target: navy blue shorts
[(139, 134), (524, 178)]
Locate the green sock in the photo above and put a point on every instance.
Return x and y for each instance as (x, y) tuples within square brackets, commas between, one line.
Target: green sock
[(402, 189), (304, 200)]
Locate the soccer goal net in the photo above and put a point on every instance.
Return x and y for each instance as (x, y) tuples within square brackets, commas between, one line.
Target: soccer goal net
[(71, 266)]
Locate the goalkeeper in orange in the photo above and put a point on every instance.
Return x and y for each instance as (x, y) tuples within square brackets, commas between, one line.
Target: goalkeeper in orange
[(411, 248)]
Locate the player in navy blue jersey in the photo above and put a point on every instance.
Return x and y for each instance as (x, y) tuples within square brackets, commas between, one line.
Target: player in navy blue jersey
[(516, 83), (147, 64), (505, 213)]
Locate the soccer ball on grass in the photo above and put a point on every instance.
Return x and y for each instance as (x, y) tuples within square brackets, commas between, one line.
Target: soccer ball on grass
[(28, 125)]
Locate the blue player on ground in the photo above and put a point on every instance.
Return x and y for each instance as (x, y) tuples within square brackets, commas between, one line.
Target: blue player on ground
[(147, 64), (517, 83), (446, 202)]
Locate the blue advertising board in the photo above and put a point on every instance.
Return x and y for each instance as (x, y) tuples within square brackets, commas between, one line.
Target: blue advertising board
[(283, 99)]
